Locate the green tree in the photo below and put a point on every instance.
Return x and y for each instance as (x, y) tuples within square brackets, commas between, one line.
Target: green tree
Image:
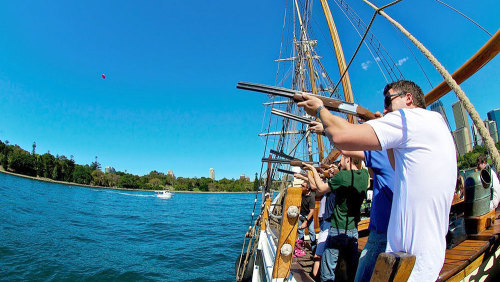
[(47, 163), (21, 161), (97, 177), (56, 172), (129, 181), (111, 179), (256, 183), (154, 183), (82, 174)]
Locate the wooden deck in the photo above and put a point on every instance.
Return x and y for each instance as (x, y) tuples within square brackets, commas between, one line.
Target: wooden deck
[(460, 261)]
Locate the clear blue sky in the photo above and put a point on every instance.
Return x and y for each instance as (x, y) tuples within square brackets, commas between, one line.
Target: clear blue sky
[(169, 99)]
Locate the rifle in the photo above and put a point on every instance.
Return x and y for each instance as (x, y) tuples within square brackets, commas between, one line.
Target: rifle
[(323, 169), (291, 116), (330, 103)]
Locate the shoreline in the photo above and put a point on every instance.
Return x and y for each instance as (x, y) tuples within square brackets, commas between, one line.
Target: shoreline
[(102, 187)]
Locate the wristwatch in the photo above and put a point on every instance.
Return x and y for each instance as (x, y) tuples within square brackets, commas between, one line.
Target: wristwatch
[(318, 110)]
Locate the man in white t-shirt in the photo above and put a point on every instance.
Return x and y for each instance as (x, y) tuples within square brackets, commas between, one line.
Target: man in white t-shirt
[(422, 152)]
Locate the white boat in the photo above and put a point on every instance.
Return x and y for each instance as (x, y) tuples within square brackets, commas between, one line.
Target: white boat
[(164, 194)]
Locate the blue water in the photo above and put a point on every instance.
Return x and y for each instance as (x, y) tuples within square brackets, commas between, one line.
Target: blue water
[(60, 232)]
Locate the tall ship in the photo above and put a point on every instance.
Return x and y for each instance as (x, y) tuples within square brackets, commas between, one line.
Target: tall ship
[(268, 245)]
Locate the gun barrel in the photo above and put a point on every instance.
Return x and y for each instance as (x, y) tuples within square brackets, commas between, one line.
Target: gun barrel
[(281, 154), (330, 104), (286, 171), (277, 91), (279, 161), (291, 116)]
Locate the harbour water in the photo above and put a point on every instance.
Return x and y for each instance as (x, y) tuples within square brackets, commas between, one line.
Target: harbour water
[(59, 232)]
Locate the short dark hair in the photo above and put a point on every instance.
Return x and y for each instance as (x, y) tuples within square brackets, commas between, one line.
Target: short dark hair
[(481, 159), (407, 86)]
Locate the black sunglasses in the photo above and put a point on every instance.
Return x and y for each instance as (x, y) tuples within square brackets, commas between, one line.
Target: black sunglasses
[(388, 99)]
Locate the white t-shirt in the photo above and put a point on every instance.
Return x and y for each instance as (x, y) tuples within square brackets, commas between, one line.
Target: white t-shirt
[(425, 178), (495, 194)]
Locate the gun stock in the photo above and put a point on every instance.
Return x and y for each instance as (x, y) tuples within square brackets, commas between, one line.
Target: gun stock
[(330, 103)]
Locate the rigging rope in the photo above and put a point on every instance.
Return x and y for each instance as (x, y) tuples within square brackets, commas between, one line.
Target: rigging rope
[(490, 145), (369, 50), (362, 39), (463, 15), (415, 57), (379, 49)]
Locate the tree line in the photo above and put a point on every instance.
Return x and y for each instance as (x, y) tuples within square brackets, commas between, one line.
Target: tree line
[(469, 159), (15, 159)]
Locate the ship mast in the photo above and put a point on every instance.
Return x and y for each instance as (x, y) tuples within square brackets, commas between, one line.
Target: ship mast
[(307, 46), (346, 82)]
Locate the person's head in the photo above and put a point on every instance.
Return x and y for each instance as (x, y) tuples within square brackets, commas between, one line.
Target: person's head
[(481, 162), (402, 94), (350, 163), (305, 187)]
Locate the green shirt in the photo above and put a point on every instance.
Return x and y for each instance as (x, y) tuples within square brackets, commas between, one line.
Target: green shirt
[(349, 187)]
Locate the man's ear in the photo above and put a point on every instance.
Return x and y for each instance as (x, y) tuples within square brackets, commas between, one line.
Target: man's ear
[(409, 99)]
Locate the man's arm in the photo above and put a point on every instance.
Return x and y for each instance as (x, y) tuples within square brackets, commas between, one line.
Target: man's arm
[(322, 187), (344, 135), (308, 218), (356, 154)]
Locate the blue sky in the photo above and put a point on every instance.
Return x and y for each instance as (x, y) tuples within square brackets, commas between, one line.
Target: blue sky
[(169, 99)]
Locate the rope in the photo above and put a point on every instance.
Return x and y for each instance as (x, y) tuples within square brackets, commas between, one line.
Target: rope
[(463, 15), (369, 50), (490, 145), (361, 42)]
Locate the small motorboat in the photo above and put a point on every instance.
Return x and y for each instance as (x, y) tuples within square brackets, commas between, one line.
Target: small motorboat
[(164, 194)]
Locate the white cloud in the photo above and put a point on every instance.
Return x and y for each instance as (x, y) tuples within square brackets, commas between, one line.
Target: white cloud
[(366, 65), (377, 59), (402, 61)]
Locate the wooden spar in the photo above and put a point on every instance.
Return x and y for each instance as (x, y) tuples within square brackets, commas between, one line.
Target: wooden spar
[(483, 131), (475, 63), (332, 156), (346, 83), (265, 214), (288, 233)]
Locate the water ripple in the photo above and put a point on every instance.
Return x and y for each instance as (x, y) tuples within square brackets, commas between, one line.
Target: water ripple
[(58, 232)]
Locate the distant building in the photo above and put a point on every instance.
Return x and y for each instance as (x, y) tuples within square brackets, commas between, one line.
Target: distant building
[(462, 134), (462, 140), (171, 173), (244, 177), (109, 169), (476, 137), (212, 173), (492, 127), (460, 115), (438, 107), (494, 115)]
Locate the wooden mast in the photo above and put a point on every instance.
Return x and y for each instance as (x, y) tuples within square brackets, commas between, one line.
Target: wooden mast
[(346, 82), (312, 79)]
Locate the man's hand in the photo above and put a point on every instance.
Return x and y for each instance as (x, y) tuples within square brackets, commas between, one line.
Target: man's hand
[(300, 176), (332, 170), (310, 104), (309, 166), (378, 115), (304, 224), (316, 127)]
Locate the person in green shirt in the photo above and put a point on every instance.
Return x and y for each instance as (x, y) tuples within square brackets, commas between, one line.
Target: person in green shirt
[(349, 186)]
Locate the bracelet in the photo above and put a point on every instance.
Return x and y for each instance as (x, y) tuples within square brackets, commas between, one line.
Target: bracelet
[(318, 110)]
